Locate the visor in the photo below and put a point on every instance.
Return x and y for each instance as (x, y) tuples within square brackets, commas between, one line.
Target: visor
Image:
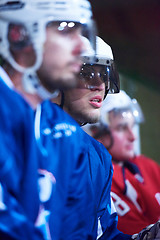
[(92, 75), (137, 112), (114, 79), (87, 31), (21, 35), (133, 110)]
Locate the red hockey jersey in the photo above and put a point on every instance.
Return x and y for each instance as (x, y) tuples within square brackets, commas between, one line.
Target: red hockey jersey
[(136, 193)]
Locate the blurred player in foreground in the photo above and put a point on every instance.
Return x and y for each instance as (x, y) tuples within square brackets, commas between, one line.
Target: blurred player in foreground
[(40, 44)]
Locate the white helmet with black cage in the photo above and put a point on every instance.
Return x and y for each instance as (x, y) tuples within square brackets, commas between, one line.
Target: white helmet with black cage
[(103, 57), (31, 19)]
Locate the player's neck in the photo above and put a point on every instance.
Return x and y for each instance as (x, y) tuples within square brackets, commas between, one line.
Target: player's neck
[(16, 78), (32, 99)]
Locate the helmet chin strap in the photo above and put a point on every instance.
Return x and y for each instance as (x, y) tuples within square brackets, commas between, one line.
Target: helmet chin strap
[(44, 94), (31, 82)]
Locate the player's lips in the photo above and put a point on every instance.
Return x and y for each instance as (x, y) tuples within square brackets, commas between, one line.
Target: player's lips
[(96, 101)]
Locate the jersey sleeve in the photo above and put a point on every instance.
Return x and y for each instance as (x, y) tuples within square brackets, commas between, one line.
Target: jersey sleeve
[(79, 208), (19, 200), (14, 222)]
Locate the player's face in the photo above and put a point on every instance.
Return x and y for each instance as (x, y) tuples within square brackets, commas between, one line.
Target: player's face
[(121, 127), (61, 57), (83, 103)]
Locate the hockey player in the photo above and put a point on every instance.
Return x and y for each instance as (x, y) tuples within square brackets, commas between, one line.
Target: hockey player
[(36, 62), (135, 184), (84, 103)]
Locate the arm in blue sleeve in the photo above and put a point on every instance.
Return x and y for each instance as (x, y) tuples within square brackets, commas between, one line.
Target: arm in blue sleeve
[(13, 222), (79, 208)]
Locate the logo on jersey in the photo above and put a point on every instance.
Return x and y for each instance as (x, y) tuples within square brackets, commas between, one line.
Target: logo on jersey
[(46, 183), (60, 130), (121, 207)]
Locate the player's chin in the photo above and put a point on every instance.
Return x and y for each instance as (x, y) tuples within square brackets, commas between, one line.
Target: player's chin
[(70, 81), (94, 116), (130, 154), (66, 82)]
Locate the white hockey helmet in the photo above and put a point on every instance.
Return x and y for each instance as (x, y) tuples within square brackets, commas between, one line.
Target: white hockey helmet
[(33, 16), (103, 57), (103, 53)]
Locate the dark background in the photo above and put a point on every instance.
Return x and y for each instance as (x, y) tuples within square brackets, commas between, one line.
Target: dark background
[(132, 29)]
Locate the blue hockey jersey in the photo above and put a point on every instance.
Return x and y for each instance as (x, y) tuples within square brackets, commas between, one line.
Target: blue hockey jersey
[(101, 172), (19, 194), (70, 198)]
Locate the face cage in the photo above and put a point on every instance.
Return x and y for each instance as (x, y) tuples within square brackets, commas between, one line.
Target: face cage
[(109, 76)]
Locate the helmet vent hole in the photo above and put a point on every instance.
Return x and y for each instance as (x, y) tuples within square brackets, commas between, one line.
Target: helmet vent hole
[(11, 5)]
